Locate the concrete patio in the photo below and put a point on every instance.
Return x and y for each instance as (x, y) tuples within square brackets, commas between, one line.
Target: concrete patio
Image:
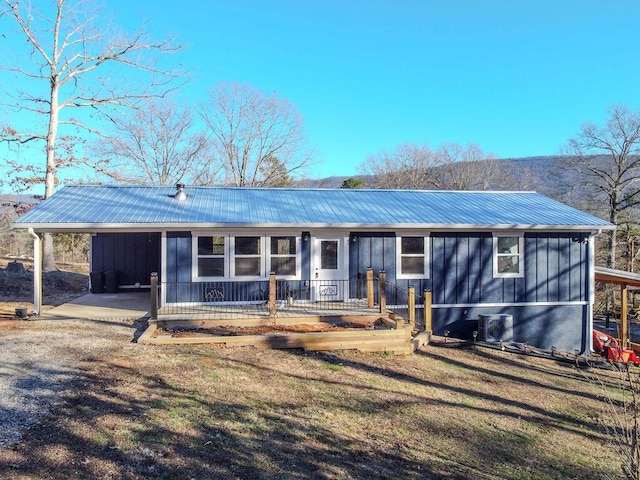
[(105, 306)]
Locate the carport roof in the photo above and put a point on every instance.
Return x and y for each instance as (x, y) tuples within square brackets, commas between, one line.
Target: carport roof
[(620, 277), (146, 208)]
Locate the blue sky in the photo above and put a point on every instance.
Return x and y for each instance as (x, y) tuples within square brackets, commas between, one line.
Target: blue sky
[(517, 78)]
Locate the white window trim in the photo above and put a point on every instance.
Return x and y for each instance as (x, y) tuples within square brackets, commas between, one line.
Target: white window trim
[(229, 256), (496, 254), (297, 256), (399, 255), (195, 256), (232, 256)]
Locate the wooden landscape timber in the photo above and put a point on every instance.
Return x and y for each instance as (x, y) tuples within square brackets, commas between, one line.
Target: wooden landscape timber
[(397, 340)]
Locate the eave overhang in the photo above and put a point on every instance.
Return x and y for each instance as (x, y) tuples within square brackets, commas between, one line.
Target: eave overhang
[(619, 277), (159, 227)]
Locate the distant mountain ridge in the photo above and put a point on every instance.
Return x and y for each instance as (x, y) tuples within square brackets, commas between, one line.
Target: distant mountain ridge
[(543, 171)]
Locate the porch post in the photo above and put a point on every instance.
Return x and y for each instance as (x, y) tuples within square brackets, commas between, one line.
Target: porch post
[(624, 315), (370, 287), (427, 311), (412, 306), (272, 294), (153, 309), (37, 272), (382, 286)]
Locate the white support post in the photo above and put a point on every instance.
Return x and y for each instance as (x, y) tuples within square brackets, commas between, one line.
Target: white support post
[(37, 272), (587, 346)]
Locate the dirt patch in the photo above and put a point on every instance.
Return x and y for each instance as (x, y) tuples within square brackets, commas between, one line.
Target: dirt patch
[(6, 324), (232, 331), (58, 287)]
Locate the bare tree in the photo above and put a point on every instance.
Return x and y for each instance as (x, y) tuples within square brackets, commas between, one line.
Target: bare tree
[(465, 168), (259, 139), (409, 167), (418, 167), (71, 50), (156, 144), (608, 159), (619, 418)]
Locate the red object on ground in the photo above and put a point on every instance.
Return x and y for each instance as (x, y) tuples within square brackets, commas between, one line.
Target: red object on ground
[(609, 347)]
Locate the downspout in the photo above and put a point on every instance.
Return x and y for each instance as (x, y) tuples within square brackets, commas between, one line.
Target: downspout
[(37, 272), (587, 342)]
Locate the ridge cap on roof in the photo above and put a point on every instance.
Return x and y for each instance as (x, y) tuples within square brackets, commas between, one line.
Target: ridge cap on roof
[(319, 189)]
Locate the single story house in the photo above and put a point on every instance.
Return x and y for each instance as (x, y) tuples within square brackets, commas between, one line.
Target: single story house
[(516, 256)]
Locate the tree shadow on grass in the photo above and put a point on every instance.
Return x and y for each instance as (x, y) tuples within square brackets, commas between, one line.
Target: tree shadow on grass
[(561, 370), (498, 446), (131, 423), (201, 439)]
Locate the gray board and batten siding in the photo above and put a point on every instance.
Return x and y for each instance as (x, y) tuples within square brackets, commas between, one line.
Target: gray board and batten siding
[(549, 303), (180, 288), (131, 256)]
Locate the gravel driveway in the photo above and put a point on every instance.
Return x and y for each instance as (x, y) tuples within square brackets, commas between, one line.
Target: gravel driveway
[(40, 361)]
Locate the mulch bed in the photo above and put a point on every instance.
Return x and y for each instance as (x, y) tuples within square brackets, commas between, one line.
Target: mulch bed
[(232, 331)]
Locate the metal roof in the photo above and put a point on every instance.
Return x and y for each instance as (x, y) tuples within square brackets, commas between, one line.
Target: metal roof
[(610, 275), (98, 208)]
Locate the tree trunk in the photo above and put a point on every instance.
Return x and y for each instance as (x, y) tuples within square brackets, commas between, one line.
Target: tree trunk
[(611, 234), (611, 240), (48, 257)]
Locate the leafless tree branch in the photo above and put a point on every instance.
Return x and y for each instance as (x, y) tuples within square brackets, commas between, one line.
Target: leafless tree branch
[(259, 139), (69, 45)]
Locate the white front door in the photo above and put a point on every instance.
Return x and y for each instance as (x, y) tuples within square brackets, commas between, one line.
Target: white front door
[(327, 275)]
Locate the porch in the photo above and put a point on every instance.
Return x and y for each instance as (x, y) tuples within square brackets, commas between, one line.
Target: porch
[(365, 313)]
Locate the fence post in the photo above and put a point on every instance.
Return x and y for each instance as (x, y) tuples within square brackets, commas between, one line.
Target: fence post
[(153, 309), (272, 294), (412, 306), (427, 311), (370, 287), (382, 286), (624, 316)]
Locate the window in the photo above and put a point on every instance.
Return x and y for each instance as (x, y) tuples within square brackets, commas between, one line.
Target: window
[(229, 257), (507, 258), (329, 254), (211, 253), (248, 257), (283, 255), (412, 257)]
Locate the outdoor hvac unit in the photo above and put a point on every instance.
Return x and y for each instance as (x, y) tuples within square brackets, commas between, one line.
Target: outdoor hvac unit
[(495, 328)]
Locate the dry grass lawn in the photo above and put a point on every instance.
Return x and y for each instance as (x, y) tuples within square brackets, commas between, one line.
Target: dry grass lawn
[(183, 412)]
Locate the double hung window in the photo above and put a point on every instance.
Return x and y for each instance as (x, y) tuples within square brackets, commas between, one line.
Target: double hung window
[(413, 257), (283, 258), (247, 256), (211, 256), (507, 255)]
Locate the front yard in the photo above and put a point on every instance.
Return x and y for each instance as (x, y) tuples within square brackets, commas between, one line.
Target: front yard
[(198, 411)]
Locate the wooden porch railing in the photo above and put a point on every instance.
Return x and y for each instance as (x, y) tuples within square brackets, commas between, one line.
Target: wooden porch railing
[(279, 296)]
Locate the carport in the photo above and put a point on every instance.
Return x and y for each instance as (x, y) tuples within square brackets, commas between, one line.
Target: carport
[(625, 280)]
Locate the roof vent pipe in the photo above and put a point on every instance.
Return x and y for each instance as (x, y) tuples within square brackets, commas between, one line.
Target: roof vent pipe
[(180, 195)]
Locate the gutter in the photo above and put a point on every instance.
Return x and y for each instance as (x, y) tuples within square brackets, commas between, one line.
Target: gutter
[(177, 226)]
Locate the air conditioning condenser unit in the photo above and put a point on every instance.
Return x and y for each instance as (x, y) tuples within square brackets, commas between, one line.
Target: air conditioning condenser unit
[(495, 328)]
